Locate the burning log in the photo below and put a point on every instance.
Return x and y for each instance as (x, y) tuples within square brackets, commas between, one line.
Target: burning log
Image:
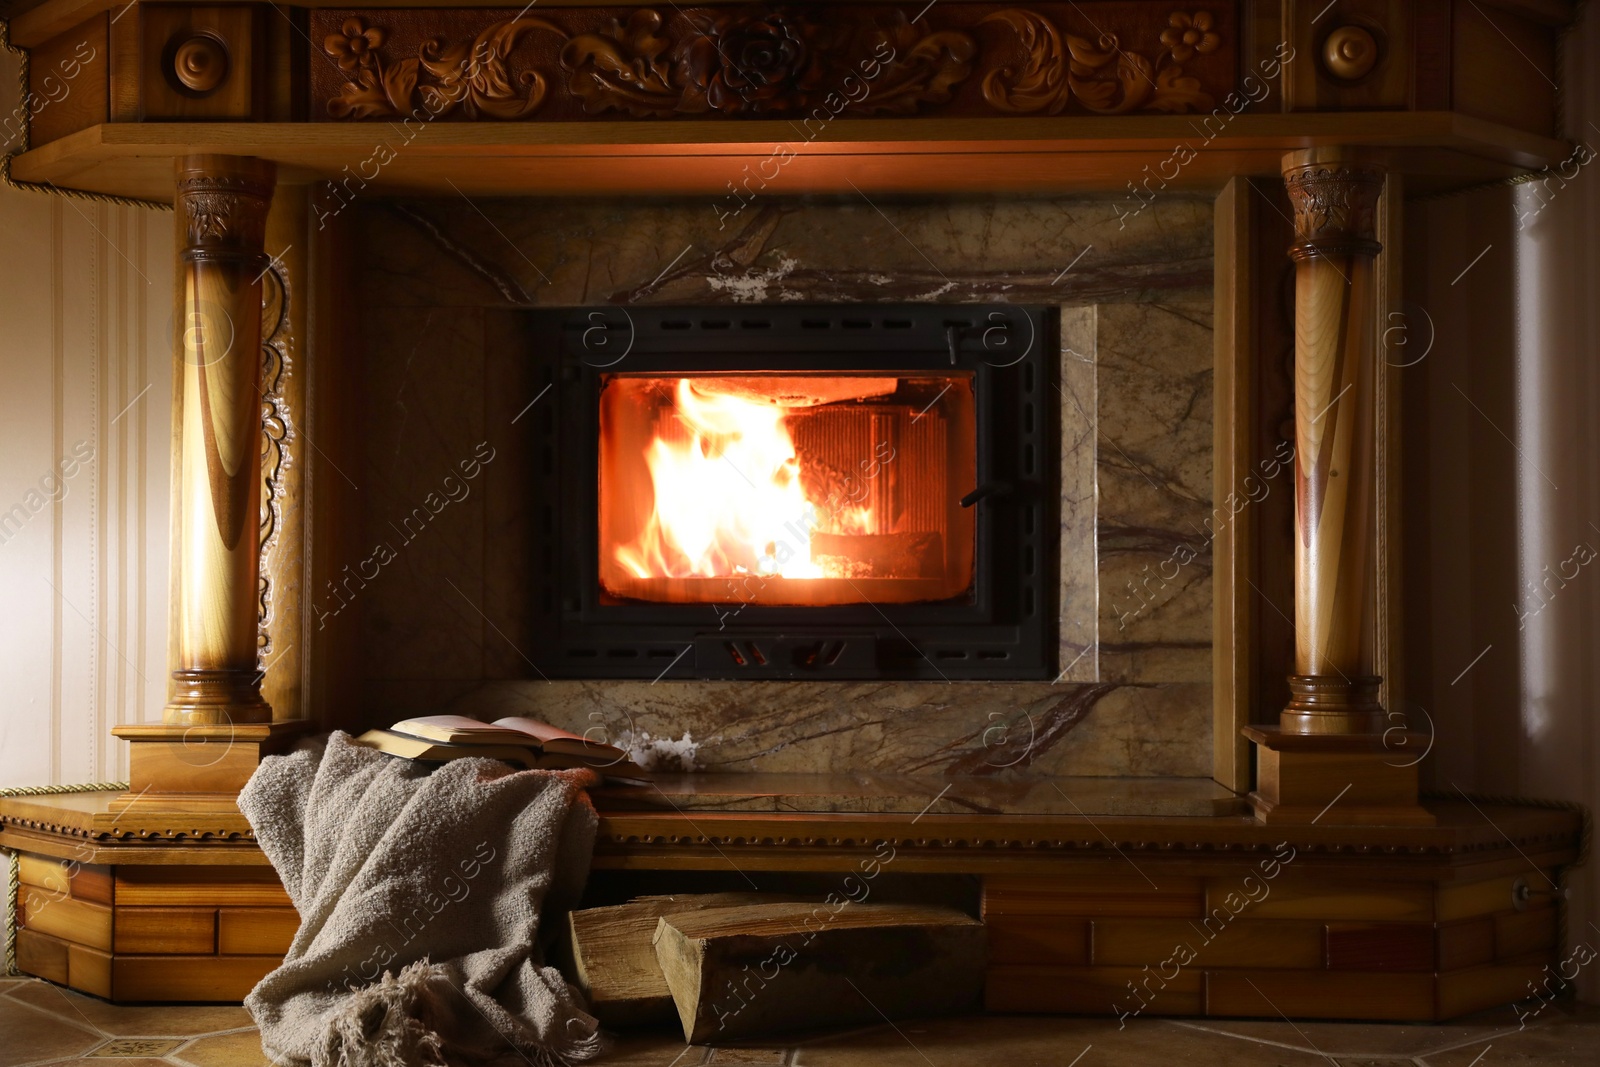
[(896, 555)]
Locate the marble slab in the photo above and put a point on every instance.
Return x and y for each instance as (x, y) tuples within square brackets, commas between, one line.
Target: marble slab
[(1153, 364), (446, 627), (929, 795), (1079, 626), (456, 252), (973, 729)]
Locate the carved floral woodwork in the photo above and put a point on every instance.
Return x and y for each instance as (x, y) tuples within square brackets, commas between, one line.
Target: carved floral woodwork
[(1103, 77), (472, 77), (762, 65), (759, 62), (277, 435)]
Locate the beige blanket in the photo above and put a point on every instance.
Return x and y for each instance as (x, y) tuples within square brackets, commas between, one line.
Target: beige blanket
[(421, 891)]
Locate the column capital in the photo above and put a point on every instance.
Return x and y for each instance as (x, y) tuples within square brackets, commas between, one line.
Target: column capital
[(1334, 192), (223, 201)]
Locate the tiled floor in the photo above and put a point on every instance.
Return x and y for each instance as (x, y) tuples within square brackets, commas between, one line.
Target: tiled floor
[(42, 1024)]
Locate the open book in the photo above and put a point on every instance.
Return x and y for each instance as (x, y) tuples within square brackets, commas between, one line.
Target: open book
[(514, 739)]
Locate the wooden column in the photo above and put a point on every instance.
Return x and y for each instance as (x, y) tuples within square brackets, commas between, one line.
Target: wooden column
[(216, 725), (1334, 754), (1335, 197), (222, 205)]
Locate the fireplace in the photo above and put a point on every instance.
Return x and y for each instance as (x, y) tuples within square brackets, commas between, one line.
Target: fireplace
[(796, 491)]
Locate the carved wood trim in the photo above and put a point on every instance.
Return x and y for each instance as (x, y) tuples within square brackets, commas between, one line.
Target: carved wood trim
[(748, 61), (1002, 840), (1521, 831), (277, 437), (967, 839), (1234, 369), (174, 832), (1394, 328), (998, 848)]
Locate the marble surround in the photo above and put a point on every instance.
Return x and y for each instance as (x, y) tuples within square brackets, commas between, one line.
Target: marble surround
[(920, 795), (442, 625)]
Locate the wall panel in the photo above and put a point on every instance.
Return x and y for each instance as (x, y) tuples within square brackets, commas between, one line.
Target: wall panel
[(85, 297)]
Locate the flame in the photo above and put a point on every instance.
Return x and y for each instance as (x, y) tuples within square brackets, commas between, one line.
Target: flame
[(728, 494)]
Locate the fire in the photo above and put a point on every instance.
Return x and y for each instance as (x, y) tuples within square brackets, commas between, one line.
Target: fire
[(715, 488), (729, 499)]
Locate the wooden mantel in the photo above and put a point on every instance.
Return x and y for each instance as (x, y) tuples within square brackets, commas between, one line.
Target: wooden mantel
[(938, 156), (1458, 92)]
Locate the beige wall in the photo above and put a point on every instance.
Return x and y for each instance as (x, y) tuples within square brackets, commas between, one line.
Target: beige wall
[(1503, 481), (85, 409)]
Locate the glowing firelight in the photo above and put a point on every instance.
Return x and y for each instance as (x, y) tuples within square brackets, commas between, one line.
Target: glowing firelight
[(728, 494)]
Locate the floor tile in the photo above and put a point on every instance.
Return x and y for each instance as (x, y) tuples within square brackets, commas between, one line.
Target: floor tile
[(32, 1036), (43, 1026), (242, 1049), (654, 1049), (148, 1020), (1032, 1041), (748, 1056), (134, 1048), (1555, 1039), (1346, 1040)]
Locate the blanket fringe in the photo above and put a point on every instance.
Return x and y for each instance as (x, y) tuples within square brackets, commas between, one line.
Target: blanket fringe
[(386, 1024), (392, 1023)]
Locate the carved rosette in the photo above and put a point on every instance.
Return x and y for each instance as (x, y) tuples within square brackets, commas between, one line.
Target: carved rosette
[(1335, 208), (760, 62), (763, 63)]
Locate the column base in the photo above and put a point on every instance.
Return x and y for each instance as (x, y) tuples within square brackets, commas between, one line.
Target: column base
[(1367, 779), (216, 697), (1329, 704), (204, 766)]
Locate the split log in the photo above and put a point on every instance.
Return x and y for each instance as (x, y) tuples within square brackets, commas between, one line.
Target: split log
[(765, 969), (614, 964)]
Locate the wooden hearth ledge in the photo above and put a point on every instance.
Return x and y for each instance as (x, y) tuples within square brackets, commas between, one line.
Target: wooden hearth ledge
[(1388, 922)]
